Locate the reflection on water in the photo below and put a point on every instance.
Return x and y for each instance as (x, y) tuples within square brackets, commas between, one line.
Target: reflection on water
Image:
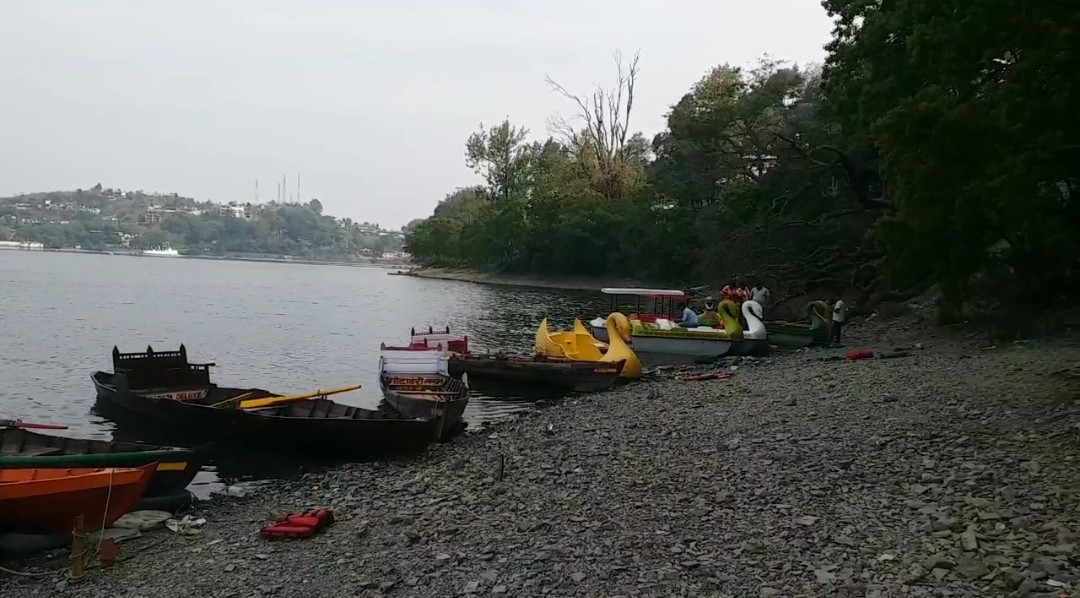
[(285, 327)]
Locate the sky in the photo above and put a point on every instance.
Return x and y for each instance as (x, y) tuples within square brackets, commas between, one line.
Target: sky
[(369, 103)]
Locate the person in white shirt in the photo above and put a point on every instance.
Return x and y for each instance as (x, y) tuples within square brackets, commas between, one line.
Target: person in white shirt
[(839, 314), (760, 293)]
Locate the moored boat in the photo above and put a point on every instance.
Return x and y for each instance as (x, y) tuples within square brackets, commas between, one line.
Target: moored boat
[(415, 383), (815, 331), (539, 370), (657, 332), (439, 338), (180, 394), (580, 346), (174, 468), (49, 500)]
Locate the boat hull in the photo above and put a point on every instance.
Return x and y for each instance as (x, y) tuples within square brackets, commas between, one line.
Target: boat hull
[(174, 469), (573, 376), (693, 346), (42, 501), (313, 426), (411, 406), (789, 334)]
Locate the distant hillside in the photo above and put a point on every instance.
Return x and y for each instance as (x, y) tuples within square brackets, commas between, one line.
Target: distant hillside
[(113, 219)]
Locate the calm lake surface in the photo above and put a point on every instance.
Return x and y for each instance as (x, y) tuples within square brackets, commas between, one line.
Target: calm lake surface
[(284, 327)]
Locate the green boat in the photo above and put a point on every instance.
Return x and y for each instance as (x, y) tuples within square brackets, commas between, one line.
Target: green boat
[(176, 467), (815, 331)]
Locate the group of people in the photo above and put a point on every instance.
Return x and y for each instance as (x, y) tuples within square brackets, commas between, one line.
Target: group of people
[(734, 291), (738, 292)]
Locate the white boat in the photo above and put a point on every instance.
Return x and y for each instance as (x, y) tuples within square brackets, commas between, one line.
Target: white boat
[(161, 252), (655, 331)]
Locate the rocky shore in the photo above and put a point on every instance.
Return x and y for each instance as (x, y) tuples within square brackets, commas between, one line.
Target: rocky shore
[(952, 472)]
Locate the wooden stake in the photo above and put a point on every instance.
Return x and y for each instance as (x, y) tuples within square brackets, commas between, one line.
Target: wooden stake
[(78, 552)]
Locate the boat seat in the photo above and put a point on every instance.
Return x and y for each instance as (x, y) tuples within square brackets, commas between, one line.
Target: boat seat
[(38, 451)]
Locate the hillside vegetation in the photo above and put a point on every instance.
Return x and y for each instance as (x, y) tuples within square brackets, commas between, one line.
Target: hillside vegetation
[(935, 146), (112, 219)]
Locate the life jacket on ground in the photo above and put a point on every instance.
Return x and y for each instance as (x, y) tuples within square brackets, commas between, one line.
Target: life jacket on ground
[(298, 525)]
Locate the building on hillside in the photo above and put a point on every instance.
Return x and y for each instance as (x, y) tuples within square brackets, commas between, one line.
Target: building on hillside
[(235, 211), (153, 217), (24, 245)]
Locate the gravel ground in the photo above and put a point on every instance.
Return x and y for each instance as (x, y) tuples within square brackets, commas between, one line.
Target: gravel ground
[(952, 472)]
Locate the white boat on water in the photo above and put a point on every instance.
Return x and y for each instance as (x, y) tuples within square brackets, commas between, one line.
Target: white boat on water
[(161, 252)]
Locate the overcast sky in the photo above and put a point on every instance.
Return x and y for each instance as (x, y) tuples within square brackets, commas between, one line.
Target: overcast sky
[(370, 102)]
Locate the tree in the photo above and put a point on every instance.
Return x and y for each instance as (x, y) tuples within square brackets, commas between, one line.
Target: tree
[(599, 131), (971, 108), (501, 157)]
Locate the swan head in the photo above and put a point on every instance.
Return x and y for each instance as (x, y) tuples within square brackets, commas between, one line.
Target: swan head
[(753, 308), (620, 323)]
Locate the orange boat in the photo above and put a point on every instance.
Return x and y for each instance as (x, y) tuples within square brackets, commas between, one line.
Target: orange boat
[(35, 501)]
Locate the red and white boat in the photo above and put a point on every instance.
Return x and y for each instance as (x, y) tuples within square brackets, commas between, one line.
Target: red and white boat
[(432, 339)]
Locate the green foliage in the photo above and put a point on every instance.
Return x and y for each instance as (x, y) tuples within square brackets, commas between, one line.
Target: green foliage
[(720, 192), (110, 219), (937, 145), (971, 106)]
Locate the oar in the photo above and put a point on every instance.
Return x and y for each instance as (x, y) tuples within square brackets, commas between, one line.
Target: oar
[(275, 401), (231, 399), (18, 423)]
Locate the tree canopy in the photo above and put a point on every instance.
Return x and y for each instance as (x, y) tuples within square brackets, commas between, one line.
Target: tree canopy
[(935, 146)]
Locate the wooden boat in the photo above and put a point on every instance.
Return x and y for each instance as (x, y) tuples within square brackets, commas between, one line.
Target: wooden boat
[(579, 345), (47, 500), (168, 389), (415, 383), (815, 331), (173, 471), (439, 338), (575, 376)]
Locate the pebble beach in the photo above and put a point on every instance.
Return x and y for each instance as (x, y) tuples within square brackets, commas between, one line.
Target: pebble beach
[(954, 471)]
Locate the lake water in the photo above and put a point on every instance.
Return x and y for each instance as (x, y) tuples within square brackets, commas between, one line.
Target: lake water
[(285, 327)]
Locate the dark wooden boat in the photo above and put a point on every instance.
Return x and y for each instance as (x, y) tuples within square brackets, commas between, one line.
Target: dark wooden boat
[(175, 467), (415, 383), (48, 500), (166, 388), (538, 370)]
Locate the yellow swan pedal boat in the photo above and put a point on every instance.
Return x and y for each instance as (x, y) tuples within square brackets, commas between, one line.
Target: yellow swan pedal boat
[(579, 345)]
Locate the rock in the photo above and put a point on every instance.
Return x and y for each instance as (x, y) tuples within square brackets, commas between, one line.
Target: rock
[(791, 402), (367, 583), (577, 576), (236, 491), (972, 568), (1027, 586), (807, 520), (116, 534), (230, 568), (143, 520), (968, 541), (472, 587), (938, 561), (498, 590), (767, 592)]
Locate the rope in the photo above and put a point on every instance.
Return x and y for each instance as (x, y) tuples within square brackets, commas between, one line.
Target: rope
[(105, 513), (4, 569)]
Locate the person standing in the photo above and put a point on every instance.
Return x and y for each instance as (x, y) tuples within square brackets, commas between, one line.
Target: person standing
[(839, 315), (760, 293)]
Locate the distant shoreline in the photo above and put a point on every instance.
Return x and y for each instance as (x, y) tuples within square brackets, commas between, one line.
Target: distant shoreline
[(524, 280), (229, 258)]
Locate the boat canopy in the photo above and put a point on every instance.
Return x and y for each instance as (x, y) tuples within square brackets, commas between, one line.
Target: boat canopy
[(643, 292)]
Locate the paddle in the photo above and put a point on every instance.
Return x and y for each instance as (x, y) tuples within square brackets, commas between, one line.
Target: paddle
[(18, 423), (275, 401)]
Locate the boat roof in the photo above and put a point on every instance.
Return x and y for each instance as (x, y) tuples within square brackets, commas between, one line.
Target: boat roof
[(643, 292)]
